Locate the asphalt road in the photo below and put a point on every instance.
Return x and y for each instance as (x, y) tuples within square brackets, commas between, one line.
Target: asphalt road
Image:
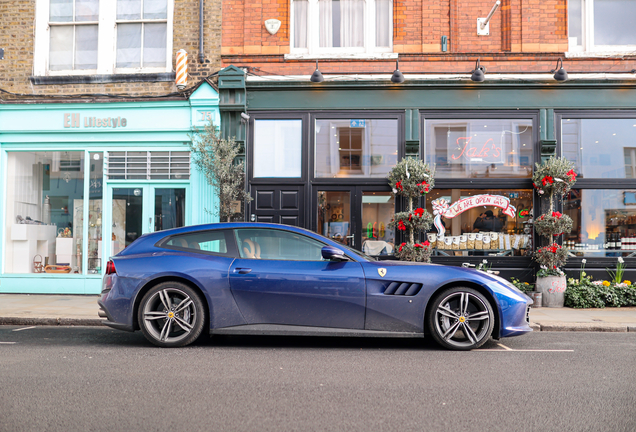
[(92, 378)]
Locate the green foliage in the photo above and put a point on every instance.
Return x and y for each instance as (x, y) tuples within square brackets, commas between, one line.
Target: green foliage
[(554, 177), (555, 224), (617, 276), (585, 293), (412, 178), (215, 157), (522, 286), (416, 252)]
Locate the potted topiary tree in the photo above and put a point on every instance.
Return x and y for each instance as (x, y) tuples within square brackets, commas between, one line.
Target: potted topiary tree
[(412, 178), (552, 180)]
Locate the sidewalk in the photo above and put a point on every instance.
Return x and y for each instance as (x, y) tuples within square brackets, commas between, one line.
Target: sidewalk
[(41, 309)]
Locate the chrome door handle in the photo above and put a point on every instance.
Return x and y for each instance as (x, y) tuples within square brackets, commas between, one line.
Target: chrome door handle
[(242, 270)]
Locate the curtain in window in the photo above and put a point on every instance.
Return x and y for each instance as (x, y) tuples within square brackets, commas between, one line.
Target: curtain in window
[(352, 23), (383, 17), (300, 23), (128, 45), (128, 9), (325, 18), (86, 47), (61, 48), (155, 36)]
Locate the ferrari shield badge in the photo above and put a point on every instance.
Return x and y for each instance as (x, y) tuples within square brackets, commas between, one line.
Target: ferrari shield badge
[(382, 271)]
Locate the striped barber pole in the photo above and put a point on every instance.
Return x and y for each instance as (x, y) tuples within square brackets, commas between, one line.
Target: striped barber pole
[(182, 69)]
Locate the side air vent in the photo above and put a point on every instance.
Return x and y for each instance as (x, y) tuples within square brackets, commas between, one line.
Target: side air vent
[(403, 288)]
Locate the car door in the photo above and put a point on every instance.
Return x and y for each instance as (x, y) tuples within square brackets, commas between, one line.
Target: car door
[(281, 278)]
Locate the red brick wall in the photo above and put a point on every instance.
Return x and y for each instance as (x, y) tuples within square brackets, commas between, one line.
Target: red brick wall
[(525, 35)]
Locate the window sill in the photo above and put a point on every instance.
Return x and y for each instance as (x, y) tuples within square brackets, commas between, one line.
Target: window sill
[(599, 54), (341, 56), (102, 79)]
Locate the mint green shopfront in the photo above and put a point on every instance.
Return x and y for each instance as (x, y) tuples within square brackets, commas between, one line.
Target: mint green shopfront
[(79, 182)]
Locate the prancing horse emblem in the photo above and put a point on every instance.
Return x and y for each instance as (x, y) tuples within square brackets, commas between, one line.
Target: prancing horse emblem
[(382, 271)]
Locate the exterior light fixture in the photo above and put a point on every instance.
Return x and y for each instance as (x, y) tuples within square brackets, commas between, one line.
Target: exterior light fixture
[(397, 75), (182, 69), (478, 73), (483, 26), (561, 74), (316, 76)]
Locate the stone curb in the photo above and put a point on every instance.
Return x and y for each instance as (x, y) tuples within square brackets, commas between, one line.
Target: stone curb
[(50, 321), (585, 327)]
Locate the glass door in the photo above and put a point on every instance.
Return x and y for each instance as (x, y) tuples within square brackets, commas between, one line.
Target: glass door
[(357, 216), (137, 209)]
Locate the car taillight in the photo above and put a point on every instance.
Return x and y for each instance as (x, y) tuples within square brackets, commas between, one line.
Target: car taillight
[(110, 267)]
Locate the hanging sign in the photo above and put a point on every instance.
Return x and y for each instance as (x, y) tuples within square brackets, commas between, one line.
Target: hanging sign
[(442, 208)]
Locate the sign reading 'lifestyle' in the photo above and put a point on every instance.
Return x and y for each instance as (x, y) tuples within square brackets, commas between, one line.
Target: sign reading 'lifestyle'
[(73, 120)]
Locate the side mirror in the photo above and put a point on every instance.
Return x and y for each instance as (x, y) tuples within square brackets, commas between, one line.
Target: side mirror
[(333, 254)]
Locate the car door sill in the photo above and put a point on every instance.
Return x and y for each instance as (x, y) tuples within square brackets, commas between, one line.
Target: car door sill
[(290, 330)]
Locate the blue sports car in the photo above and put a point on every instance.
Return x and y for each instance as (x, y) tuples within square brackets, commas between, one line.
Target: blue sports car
[(269, 279)]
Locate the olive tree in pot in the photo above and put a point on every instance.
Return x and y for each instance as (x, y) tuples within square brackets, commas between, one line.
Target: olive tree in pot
[(412, 178), (217, 159), (552, 180)]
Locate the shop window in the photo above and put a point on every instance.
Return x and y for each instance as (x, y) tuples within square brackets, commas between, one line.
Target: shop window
[(604, 222), (600, 148), (601, 26), (481, 228), (355, 148), (278, 148), (480, 148), (68, 35), (341, 26), (44, 212)]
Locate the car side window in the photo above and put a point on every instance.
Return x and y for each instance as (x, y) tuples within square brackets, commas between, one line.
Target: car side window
[(213, 241), (274, 244)]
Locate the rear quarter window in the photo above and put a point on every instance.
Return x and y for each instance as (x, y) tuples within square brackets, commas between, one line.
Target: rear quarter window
[(216, 242)]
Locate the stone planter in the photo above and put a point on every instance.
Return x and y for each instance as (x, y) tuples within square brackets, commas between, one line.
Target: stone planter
[(552, 289)]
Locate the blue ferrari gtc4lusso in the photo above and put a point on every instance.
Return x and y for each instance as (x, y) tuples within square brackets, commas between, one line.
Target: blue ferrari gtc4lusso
[(269, 279)]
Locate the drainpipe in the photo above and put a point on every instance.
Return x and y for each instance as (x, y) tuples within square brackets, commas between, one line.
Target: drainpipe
[(201, 56)]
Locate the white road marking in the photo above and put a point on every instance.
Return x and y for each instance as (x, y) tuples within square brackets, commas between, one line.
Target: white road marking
[(24, 328), (504, 347), (7, 343)]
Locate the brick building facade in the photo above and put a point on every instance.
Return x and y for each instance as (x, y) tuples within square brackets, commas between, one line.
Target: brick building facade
[(318, 150)]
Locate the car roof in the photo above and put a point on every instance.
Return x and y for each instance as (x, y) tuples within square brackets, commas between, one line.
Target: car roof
[(148, 241)]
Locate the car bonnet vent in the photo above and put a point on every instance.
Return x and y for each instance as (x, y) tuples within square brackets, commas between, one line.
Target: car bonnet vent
[(403, 288)]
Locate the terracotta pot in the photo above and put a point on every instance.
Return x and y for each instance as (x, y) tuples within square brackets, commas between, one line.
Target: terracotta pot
[(552, 289)]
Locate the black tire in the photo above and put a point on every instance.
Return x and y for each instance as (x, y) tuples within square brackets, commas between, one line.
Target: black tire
[(460, 319), (171, 315)]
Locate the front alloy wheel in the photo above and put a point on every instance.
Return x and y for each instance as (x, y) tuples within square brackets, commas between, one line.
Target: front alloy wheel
[(171, 315), (461, 319)]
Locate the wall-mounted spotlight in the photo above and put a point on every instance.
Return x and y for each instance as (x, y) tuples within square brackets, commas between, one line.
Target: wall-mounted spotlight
[(483, 25), (561, 74), (479, 73), (397, 75), (316, 76)]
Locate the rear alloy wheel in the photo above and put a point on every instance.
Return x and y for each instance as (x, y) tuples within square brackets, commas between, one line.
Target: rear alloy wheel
[(171, 315), (461, 319)]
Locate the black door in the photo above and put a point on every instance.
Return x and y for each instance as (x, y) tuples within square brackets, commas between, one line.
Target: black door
[(278, 204)]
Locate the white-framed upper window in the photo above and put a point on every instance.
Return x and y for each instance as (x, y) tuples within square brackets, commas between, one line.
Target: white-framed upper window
[(75, 37), (341, 27), (601, 26)]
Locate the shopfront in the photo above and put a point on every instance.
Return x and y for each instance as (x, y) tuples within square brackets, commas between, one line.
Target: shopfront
[(80, 182), (319, 154)]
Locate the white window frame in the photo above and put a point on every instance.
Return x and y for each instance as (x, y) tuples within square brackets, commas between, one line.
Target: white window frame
[(313, 50), (588, 48), (106, 42)]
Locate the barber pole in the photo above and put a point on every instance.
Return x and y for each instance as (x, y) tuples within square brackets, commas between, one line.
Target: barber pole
[(182, 69)]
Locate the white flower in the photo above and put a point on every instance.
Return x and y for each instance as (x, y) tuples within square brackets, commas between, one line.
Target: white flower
[(394, 190), (485, 261), (620, 260), (583, 261), (541, 192)]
